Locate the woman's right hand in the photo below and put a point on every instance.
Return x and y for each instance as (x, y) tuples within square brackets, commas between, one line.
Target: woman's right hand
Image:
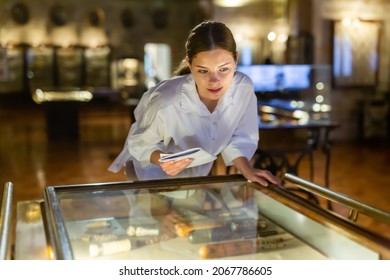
[(174, 167)]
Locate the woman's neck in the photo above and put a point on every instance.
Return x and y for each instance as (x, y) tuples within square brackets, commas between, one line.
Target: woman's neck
[(210, 104)]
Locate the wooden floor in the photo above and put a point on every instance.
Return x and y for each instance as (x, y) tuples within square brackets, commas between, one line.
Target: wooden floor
[(32, 162)]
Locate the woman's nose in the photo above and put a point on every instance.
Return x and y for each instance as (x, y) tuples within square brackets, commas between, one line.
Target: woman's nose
[(213, 77)]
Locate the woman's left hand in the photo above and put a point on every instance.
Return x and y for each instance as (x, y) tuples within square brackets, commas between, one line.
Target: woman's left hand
[(263, 177)]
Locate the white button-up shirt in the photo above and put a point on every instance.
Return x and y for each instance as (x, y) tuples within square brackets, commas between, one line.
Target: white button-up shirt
[(172, 118)]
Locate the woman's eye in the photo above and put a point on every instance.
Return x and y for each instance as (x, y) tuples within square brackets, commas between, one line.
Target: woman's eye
[(202, 71), (224, 69)]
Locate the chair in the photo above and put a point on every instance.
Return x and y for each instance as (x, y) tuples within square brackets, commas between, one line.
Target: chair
[(6, 221)]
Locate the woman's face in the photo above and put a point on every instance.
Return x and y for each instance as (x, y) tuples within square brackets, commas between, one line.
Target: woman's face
[(213, 72)]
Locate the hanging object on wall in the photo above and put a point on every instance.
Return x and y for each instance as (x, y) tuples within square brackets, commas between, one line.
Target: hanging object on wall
[(127, 18), (356, 53), (59, 15), (94, 34), (96, 17), (20, 13)]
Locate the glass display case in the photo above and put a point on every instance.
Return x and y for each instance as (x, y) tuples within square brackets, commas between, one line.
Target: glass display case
[(40, 67), (127, 78), (213, 217), (69, 66), (97, 62), (11, 69)]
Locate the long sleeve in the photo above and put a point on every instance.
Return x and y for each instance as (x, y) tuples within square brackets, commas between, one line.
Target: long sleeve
[(245, 138)]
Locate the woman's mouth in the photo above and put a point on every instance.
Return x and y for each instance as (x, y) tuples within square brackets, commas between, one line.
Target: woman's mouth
[(214, 90)]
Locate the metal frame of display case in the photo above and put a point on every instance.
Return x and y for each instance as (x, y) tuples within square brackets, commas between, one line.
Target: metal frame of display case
[(6, 221), (371, 239), (355, 206), (56, 231), (54, 224)]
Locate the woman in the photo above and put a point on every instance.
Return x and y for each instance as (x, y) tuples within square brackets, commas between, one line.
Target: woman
[(207, 105)]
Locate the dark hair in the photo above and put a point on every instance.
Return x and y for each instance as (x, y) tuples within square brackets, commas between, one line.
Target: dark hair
[(206, 36)]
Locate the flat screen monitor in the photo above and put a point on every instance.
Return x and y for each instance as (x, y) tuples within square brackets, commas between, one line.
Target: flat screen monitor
[(277, 78)]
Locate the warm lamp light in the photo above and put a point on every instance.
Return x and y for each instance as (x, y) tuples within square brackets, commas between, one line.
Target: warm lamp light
[(232, 3)]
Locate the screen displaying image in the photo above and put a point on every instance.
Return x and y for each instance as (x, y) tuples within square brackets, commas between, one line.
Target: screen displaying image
[(270, 78)]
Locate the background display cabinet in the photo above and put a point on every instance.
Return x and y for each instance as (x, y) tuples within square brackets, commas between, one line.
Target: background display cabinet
[(97, 62), (11, 69), (69, 67), (214, 217), (40, 67)]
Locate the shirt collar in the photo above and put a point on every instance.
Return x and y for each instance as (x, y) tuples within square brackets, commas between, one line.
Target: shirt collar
[(190, 101)]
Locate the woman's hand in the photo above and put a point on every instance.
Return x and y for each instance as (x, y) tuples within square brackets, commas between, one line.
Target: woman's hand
[(263, 177), (174, 167)]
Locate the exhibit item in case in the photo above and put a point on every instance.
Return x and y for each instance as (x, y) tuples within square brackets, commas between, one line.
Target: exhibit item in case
[(219, 217)]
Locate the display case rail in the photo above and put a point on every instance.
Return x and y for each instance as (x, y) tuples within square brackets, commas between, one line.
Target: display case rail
[(355, 206), (6, 221)]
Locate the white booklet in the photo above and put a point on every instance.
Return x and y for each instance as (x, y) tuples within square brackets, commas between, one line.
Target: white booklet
[(198, 155)]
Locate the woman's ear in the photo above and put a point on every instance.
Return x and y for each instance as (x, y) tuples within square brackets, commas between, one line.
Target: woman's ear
[(187, 63), (236, 60)]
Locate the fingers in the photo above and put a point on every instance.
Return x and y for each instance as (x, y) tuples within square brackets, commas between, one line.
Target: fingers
[(270, 177), (173, 167), (264, 178), (261, 181)]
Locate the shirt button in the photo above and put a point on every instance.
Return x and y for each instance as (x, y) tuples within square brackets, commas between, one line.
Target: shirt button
[(213, 139)]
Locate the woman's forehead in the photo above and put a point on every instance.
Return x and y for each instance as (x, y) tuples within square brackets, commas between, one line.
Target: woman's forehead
[(213, 57)]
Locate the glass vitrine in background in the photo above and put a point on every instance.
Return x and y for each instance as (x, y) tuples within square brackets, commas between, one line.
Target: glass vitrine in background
[(56, 82), (127, 77), (97, 67), (11, 69), (40, 67), (69, 67)]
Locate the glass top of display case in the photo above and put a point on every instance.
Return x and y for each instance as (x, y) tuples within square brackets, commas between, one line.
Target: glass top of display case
[(214, 217)]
